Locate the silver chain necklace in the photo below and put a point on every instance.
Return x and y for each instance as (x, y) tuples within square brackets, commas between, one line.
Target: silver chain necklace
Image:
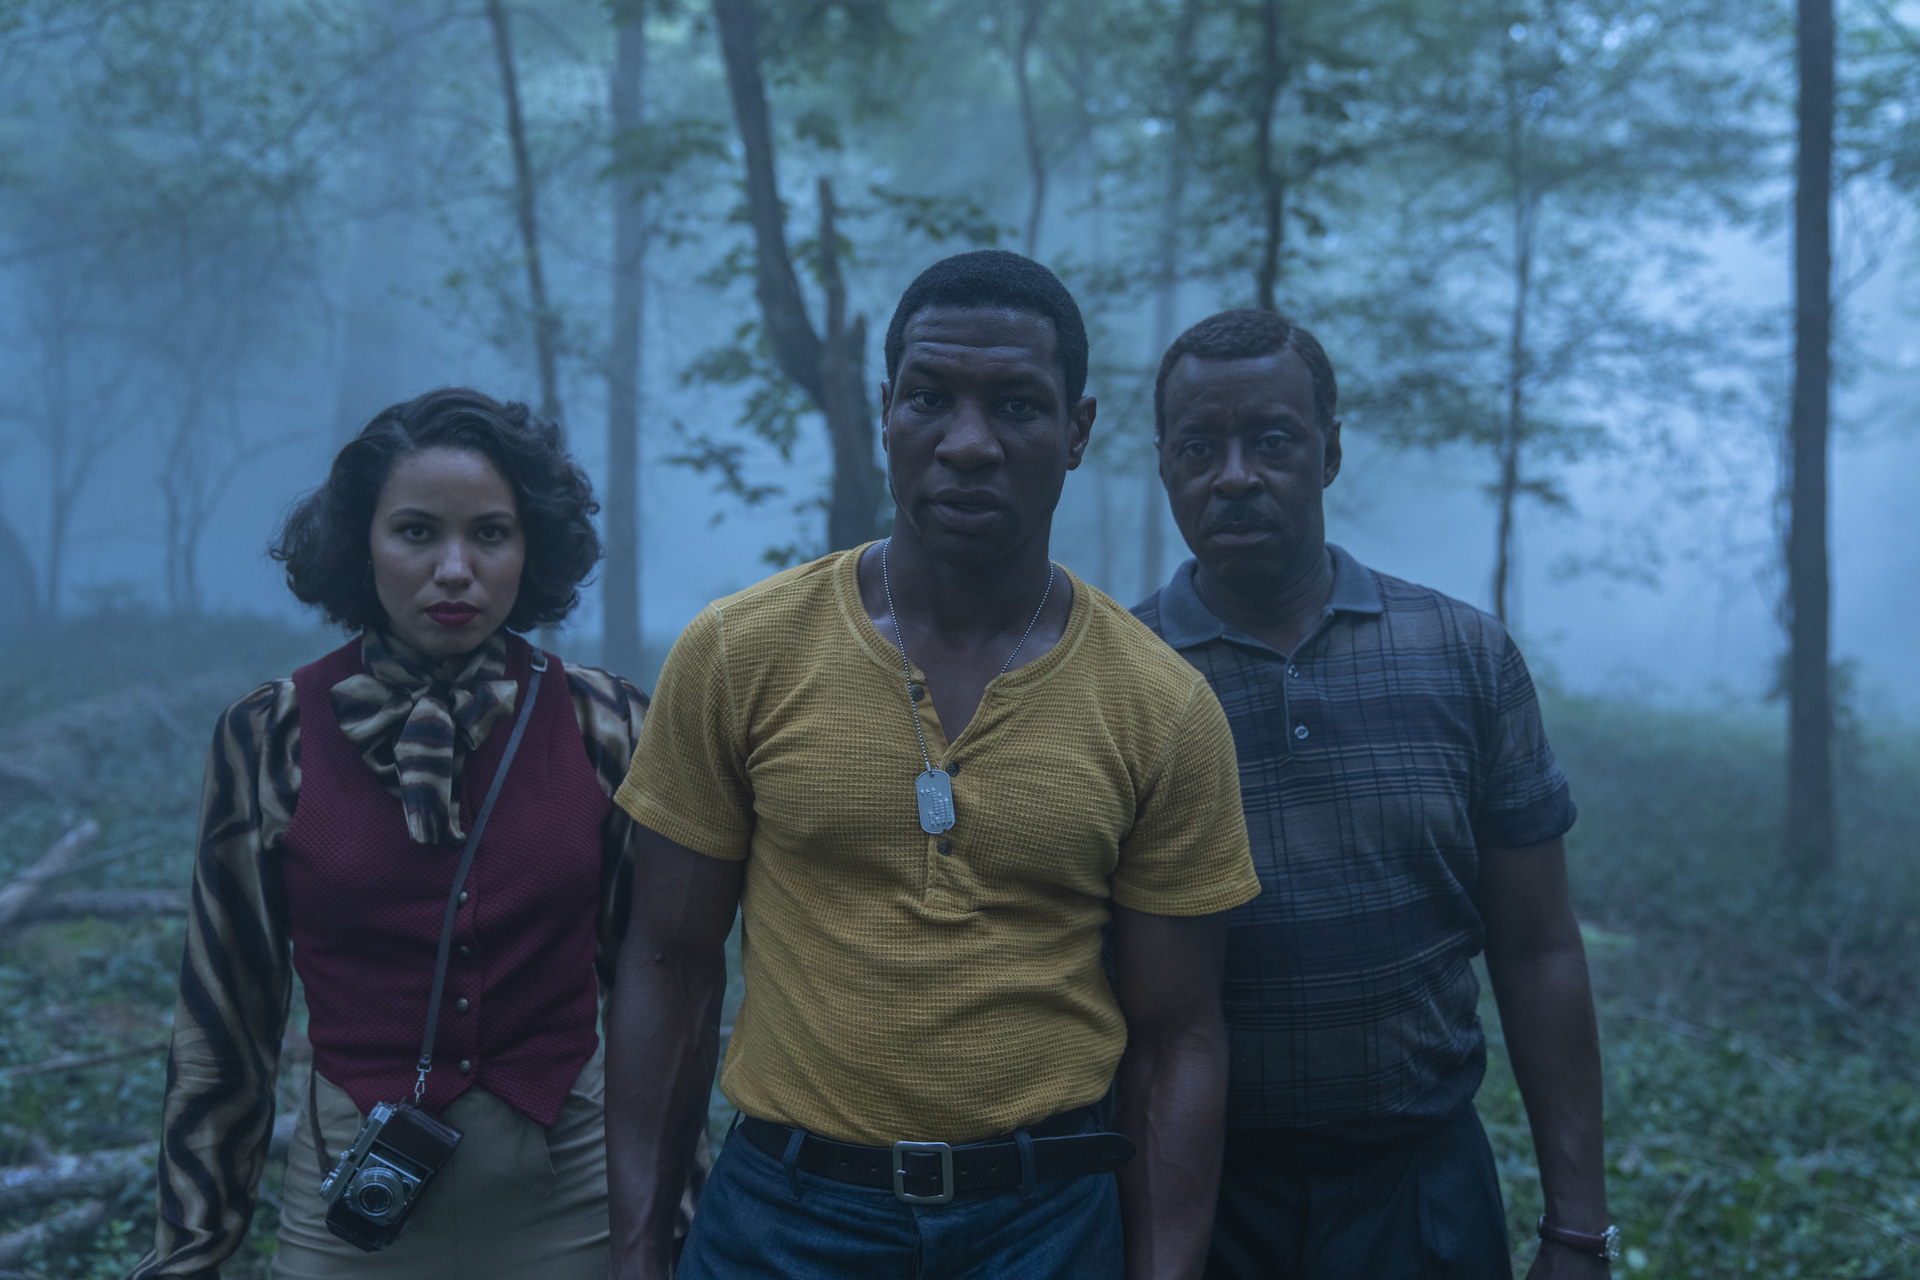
[(933, 790)]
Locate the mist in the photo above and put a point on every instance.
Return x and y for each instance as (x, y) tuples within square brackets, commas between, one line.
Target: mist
[(1548, 248)]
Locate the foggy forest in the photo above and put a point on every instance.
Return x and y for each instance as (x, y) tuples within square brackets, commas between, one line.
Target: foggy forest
[(1619, 293)]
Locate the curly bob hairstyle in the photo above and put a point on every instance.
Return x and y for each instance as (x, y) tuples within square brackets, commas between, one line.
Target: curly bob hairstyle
[(324, 543)]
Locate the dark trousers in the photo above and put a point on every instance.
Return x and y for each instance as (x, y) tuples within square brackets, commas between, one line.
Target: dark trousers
[(758, 1218), (1429, 1210)]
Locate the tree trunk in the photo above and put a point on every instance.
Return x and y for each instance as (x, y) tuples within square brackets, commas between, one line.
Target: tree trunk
[(1273, 182), (1810, 823), (377, 352), (526, 210), (1173, 207), (1513, 433), (19, 594), (620, 643), (828, 370), (857, 482), (1030, 125)]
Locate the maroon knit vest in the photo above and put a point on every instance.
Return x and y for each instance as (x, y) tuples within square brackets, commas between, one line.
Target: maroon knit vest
[(364, 904)]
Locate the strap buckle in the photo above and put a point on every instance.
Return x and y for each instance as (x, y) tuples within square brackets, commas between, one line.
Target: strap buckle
[(901, 1150)]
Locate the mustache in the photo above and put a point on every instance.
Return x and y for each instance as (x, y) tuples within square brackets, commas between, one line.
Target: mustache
[(1238, 516)]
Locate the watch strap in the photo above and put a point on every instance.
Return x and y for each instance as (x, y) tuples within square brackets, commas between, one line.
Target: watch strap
[(1604, 1245)]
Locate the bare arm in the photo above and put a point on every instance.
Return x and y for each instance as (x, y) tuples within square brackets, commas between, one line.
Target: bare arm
[(1173, 1087), (1539, 972), (662, 1041)]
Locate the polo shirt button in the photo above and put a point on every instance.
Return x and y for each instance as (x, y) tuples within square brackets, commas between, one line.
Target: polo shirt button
[(462, 1005), (1299, 731), (463, 897), (466, 1066), (945, 846)]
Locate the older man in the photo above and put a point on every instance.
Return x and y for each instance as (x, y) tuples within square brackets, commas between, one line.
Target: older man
[(1406, 813)]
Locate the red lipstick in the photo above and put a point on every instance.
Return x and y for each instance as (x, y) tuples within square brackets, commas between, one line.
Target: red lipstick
[(451, 613)]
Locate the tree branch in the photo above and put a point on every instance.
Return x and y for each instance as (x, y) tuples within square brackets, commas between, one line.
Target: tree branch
[(15, 895), (796, 346)]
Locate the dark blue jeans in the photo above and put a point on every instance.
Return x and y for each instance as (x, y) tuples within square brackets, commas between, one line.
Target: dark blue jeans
[(750, 1223), (1426, 1210)]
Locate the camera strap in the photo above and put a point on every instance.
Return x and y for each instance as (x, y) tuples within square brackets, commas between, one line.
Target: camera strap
[(425, 1064)]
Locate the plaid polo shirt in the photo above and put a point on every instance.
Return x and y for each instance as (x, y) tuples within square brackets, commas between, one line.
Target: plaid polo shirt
[(1401, 736)]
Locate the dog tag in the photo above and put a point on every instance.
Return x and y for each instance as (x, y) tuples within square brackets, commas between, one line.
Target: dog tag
[(934, 790)]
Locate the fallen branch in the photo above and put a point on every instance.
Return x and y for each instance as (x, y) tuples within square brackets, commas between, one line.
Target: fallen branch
[(98, 1173), (15, 895), (102, 1173), (102, 904), (33, 780), (81, 1220), (74, 1062)]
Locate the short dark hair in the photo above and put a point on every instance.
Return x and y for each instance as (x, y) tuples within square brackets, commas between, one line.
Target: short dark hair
[(324, 541), (997, 278), (1248, 335)]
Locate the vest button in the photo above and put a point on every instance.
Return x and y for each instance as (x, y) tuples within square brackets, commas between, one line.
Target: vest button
[(463, 897), (461, 1004), (466, 1066)]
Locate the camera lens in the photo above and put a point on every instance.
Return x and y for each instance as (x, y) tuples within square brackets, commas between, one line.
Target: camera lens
[(377, 1194)]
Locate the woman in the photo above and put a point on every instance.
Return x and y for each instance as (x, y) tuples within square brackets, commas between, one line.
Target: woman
[(334, 818)]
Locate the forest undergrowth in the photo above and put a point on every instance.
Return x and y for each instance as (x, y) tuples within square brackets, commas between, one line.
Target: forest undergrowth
[(1759, 1031)]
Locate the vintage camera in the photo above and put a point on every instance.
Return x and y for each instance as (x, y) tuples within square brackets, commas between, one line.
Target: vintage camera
[(373, 1189)]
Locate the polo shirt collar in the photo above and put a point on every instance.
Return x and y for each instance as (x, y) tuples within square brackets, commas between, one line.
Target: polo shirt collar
[(1186, 622)]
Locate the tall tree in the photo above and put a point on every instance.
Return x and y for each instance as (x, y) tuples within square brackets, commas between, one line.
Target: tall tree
[(1274, 70), (1810, 825), (526, 205), (1178, 132), (72, 406), (621, 632), (827, 365), (1540, 152)]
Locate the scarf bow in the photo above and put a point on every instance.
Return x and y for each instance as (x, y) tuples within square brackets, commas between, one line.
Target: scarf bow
[(415, 719)]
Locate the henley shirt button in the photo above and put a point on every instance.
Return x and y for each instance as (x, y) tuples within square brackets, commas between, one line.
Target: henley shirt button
[(461, 1004), (1299, 731), (1292, 670), (945, 846), (919, 692), (463, 897), (953, 768), (466, 1066)]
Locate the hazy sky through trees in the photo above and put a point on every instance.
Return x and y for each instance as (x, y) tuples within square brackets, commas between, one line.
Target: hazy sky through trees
[(229, 230)]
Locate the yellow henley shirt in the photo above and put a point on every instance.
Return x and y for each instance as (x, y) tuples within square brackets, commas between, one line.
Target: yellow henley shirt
[(904, 985)]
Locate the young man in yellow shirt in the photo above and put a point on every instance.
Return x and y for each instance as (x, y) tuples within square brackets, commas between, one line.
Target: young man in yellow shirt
[(931, 772)]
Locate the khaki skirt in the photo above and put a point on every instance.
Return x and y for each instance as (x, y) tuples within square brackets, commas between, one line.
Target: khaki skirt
[(514, 1200)]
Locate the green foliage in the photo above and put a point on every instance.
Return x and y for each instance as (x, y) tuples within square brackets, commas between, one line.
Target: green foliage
[(116, 709), (1762, 1116)]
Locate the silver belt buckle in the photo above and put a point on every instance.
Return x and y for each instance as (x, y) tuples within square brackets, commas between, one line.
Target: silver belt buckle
[(901, 1150)]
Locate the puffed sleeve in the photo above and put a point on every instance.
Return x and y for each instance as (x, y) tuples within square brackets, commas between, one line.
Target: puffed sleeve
[(235, 983)]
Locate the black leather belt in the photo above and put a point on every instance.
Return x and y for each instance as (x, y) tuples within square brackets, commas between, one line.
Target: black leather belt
[(934, 1172)]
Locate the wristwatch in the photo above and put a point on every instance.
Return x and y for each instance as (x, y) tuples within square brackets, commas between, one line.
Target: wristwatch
[(1605, 1246)]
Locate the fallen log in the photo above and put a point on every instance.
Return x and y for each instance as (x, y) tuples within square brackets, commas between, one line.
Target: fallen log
[(23, 888), (102, 1173), (76, 1061), (103, 904), (81, 1220), (98, 1173)]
